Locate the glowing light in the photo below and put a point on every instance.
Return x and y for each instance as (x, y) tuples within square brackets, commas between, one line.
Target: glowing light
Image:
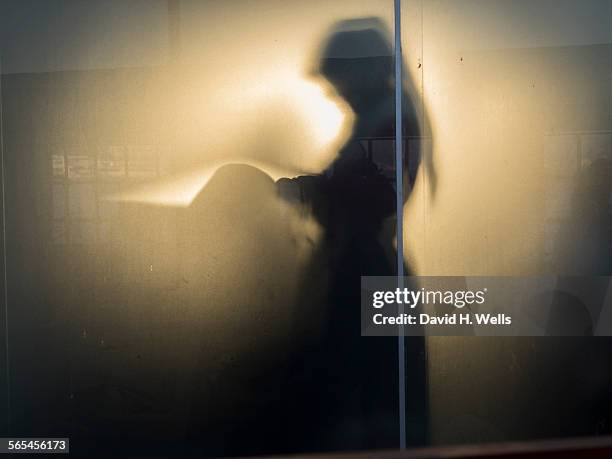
[(179, 190), (325, 117), (305, 128)]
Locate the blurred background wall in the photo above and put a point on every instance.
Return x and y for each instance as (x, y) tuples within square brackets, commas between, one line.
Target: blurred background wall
[(520, 107), (98, 97)]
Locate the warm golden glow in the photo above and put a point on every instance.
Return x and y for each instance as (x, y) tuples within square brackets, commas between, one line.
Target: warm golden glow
[(291, 118), (180, 189), (326, 116), (290, 125)]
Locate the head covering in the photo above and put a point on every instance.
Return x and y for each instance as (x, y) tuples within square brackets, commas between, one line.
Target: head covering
[(357, 38)]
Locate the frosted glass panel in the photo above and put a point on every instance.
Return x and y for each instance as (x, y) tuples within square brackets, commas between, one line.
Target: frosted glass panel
[(517, 96), (193, 190)]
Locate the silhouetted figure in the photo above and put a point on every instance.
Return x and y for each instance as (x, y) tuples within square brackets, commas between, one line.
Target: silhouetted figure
[(317, 385), (345, 385)]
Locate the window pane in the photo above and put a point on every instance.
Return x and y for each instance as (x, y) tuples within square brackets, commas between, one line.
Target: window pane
[(517, 97), (221, 175)]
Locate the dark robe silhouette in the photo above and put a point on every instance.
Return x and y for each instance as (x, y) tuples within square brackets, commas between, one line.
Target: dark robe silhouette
[(347, 385), (319, 385)]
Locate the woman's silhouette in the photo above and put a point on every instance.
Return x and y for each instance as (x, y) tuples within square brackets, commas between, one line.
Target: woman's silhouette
[(326, 387), (346, 385)]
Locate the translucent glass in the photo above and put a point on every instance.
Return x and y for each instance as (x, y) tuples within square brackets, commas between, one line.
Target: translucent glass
[(517, 96), (193, 190)]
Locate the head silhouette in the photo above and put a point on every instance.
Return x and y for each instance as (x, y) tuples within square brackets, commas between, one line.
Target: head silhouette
[(357, 60)]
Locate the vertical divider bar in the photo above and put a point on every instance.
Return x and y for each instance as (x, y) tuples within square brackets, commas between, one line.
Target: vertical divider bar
[(399, 197)]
